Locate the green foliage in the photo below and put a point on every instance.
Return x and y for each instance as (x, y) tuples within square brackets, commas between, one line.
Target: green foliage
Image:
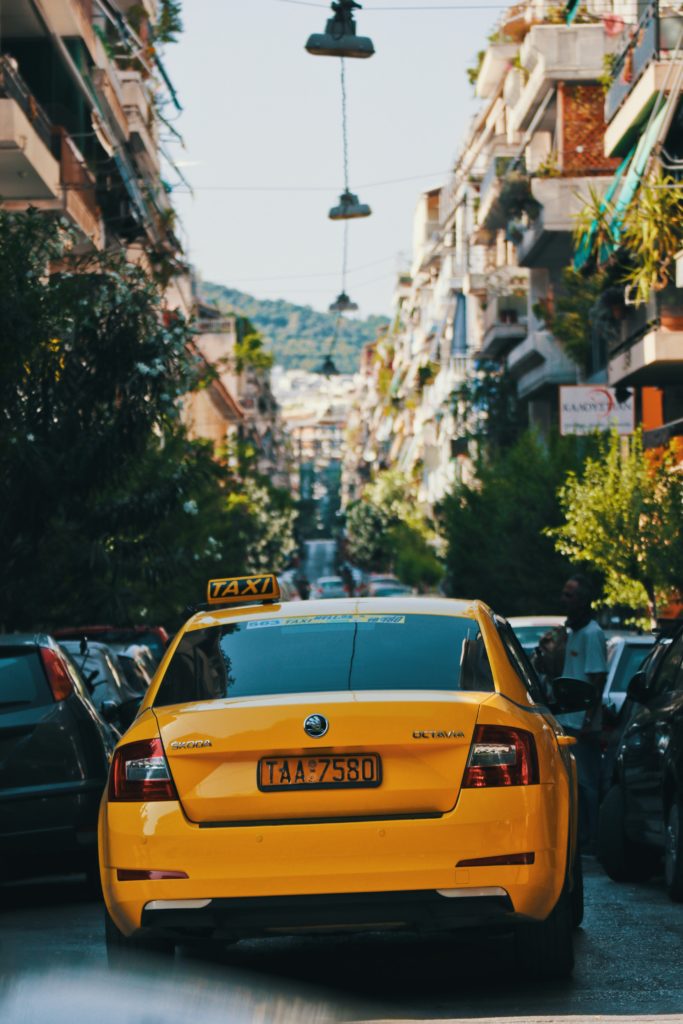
[(261, 524), (299, 336), (473, 71), (652, 235), (169, 23), (249, 352), (107, 509), (623, 515), (387, 532), (487, 410), (641, 249), (571, 319), (610, 62), (497, 549)]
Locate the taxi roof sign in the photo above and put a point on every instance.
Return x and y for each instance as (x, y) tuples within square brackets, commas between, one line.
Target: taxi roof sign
[(242, 589)]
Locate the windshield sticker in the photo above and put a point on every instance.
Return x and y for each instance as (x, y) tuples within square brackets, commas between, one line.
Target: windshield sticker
[(329, 620)]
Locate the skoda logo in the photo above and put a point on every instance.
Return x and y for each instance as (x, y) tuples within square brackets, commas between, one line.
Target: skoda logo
[(316, 726)]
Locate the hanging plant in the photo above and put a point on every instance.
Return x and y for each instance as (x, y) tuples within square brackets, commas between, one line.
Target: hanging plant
[(652, 234)]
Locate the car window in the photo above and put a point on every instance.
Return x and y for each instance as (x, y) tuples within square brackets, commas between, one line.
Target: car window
[(631, 660), (666, 678), (519, 661), (323, 653), (22, 680)]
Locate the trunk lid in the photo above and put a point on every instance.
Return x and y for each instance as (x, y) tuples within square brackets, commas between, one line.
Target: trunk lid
[(422, 737)]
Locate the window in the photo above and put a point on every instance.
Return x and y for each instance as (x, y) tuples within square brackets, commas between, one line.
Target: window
[(666, 679), (22, 680), (323, 653), (519, 661)]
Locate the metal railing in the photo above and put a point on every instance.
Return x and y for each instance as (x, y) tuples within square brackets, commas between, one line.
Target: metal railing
[(13, 87), (656, 37)]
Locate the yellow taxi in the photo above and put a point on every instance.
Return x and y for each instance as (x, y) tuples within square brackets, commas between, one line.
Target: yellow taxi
[(351, 764)]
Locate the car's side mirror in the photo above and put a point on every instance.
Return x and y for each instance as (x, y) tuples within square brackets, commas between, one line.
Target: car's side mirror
[(570, 695), (127, 712), (109, 710), (638, 688)]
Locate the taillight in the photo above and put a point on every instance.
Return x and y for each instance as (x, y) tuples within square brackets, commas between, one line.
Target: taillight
[(139, 773), (57, 676), (501, 757)]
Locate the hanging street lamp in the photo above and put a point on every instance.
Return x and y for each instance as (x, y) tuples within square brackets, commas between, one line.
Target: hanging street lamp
[(349, 208), (343, 304), (339, 38), (328, 368)]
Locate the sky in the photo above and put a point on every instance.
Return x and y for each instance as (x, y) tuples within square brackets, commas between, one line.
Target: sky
[(263, 143)]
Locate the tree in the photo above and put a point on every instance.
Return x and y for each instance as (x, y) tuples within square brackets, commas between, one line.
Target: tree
[(496, 548), (623, 515), (487, 409), (386, 531), (107, 509)]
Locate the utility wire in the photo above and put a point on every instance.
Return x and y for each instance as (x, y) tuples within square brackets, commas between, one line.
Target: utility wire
[(345, 134), (314, 188)]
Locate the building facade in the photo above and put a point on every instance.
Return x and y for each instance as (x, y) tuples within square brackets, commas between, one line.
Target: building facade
[(575, 100)]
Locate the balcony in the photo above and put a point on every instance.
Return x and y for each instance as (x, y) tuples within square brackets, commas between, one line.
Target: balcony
[(649, 351), (642, 72), (505, 325), (140, 118), (501, 157), (494, 67), (558, 53), (547, 241), (78, 200), (40, 165), (29, 168), (539, 363), (74, 18)]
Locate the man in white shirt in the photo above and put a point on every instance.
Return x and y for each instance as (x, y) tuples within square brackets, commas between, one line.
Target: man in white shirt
[(585, 659)]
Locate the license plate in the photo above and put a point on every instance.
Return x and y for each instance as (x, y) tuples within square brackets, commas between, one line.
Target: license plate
[(343, 771)]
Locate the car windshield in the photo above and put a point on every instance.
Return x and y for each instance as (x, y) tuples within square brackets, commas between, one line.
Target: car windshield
[(323, 653), (632, 657)]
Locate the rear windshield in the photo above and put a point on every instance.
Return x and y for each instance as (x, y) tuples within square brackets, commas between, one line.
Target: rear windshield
[(323, 653), (22, 680)]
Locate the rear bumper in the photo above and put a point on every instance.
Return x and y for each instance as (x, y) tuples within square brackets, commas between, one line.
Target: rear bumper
[(258, 917), (345, 857)]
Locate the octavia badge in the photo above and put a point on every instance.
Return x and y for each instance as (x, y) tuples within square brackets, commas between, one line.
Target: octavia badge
[(316, 726)]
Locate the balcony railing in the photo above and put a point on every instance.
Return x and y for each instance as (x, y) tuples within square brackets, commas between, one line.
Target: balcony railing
[(13, 87), (74, 174), (657, 36), (495, 170)]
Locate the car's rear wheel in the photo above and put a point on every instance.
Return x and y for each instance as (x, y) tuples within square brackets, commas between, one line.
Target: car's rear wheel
[(121, 949), (577, 892), (545, 949), (673, 850), (622, 859)]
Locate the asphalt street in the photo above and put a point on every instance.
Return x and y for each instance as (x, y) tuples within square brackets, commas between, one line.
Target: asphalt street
[(53, 967)]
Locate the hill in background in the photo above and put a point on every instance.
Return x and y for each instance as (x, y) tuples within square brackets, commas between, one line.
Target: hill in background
[(299, 336)]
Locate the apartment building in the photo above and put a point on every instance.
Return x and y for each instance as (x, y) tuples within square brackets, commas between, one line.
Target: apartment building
[(236, 409), (84, 100), (82, 93), (644, 119), (491, 246)]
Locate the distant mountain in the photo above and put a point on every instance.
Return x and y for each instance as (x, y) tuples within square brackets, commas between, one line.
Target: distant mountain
[(299, 336)]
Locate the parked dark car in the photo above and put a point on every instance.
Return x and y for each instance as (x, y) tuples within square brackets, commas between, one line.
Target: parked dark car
[(137, 664), (641, 817), (54, 759), (625, 655), (104, 675), (154, 637)]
